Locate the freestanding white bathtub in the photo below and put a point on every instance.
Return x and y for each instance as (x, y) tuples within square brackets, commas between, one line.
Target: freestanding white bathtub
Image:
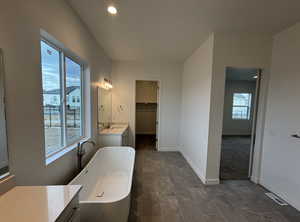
[(106, 181)]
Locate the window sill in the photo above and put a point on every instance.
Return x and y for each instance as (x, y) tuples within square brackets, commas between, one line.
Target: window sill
[(7, 183), (61, 153), (4, 176)]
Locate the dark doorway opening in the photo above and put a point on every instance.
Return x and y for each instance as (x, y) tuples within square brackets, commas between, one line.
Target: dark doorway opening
[(146, 127), (239, 122)]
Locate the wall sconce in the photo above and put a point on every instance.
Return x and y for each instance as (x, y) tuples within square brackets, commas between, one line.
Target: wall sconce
[(106, 84)]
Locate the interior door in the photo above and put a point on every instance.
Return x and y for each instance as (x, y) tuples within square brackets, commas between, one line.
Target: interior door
[(254, 121), (281, 146)]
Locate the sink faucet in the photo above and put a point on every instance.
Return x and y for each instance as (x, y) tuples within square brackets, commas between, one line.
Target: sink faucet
[(81, 152)]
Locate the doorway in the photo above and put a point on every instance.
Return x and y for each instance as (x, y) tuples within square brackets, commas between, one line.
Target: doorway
[(147, 118), (239, 122)]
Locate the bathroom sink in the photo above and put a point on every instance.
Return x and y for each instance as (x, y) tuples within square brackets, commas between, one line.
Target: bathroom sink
[(114, 129)]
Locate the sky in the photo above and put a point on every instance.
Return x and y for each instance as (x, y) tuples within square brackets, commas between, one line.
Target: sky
[(50, 69)]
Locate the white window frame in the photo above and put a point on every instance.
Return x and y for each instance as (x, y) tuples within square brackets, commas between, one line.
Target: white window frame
[(248, 117), (63, 53)]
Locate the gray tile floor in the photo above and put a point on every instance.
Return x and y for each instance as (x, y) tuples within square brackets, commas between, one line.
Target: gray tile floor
[(166, 189)]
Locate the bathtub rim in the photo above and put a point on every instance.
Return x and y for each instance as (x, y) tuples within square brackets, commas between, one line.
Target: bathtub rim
[(131, 149)]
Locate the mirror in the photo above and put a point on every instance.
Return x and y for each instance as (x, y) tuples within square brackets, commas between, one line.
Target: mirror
[(3, 140), (104, 107)]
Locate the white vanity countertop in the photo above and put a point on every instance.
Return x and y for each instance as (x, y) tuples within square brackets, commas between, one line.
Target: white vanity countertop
[(115, 129), (36, 203)]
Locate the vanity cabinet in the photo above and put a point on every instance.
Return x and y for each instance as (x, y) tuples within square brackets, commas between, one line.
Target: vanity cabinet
[(125, 138), (71, 212), (114, 136), (41, 204)]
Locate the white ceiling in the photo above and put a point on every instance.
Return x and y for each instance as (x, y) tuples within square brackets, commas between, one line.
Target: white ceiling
[(173, 29)]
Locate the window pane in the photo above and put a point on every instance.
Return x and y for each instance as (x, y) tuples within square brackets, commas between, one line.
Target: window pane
[(73, 106), (241, 106), (51, 98), (240, 112), (241, 99)]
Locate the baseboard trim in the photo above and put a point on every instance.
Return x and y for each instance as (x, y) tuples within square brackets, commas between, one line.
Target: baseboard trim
[(233, 135), (168, 149), (212, 181), (293, 203), (254, 179), (204, 180), (194, 167)]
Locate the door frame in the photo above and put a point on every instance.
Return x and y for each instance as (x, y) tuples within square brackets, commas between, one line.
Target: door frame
[(158, 114), (254, 120), (3, 117)]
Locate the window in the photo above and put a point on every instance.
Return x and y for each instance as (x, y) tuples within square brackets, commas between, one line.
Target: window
[(241, 107), (61, 77)]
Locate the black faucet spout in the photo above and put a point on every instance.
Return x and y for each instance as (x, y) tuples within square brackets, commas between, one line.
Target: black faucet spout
[(81, 152)]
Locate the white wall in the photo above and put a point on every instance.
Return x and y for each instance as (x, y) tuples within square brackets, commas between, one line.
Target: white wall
[(281, 152), (196, 90), (236, 126), (124, 75), (243, 50), (20, 23), (203, 97)]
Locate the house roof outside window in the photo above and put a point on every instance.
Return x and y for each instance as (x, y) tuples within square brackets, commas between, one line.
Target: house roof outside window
[(57, 91)]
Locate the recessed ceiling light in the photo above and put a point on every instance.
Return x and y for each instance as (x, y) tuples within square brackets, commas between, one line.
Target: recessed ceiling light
[(112, 10)]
